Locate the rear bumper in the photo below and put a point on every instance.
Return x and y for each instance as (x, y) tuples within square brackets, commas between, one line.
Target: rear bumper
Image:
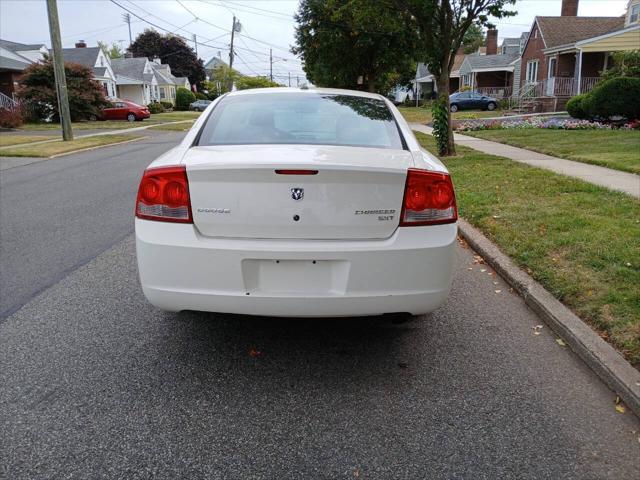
[(409, 272)]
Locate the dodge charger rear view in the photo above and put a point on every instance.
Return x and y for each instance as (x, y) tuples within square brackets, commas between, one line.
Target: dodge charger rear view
[(293, 202)]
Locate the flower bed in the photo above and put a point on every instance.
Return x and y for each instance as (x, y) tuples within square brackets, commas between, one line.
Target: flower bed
[(551, 123)]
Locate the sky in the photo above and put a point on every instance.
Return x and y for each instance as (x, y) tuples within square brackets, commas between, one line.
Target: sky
[(266, 24)]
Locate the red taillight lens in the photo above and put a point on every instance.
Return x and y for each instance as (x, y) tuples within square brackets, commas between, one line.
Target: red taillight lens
[(429, 199), (163, 195)]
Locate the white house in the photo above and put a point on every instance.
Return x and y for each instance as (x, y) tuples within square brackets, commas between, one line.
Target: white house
[(14, 59), (98, 61), (135, 80)]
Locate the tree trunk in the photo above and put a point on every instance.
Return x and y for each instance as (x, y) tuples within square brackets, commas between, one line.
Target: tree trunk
[(371, 83), (442, 83)]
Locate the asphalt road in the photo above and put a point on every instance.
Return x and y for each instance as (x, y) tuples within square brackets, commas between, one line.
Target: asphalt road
[(96, 383)]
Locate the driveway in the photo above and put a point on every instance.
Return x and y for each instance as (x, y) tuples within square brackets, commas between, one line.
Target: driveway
[(97, 383)]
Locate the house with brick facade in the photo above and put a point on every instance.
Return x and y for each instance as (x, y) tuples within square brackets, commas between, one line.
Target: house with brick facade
[(566, 55)]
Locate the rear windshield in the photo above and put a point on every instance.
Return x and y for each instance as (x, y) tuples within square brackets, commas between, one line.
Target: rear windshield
[(301, 118)]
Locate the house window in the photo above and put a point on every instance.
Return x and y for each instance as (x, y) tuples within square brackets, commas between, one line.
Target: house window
[(635, 13), (162, 94), (532, 71)]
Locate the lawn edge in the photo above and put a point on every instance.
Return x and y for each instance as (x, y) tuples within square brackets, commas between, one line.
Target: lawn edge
[(537, 150), (97, 147), (601, 357)]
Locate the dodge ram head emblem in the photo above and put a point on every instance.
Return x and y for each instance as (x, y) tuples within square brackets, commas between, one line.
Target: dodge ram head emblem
[(297, 193)]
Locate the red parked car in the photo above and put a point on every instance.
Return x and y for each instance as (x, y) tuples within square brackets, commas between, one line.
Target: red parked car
[(125, 110)]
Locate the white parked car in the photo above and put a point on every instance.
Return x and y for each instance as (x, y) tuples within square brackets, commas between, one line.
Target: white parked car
[(299, 203)]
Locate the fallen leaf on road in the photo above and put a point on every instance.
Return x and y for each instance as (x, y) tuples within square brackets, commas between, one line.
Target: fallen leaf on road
[(403, 364), (561, 342), (620, 408), (254, 353), (483, 270), (498, 291), (470, 268)]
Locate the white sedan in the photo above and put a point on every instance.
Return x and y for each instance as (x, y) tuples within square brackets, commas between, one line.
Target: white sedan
[(299, 203)]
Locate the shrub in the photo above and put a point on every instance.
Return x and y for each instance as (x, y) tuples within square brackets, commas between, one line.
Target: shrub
[(246, 83), (184, 98), (200, 96), (10, 118), (616, 97), (86, 96), (155, 107), (575, 106), (168, 106)]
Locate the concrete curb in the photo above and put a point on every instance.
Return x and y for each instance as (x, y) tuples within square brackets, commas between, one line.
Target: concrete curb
[(601, 357), (96, 147)]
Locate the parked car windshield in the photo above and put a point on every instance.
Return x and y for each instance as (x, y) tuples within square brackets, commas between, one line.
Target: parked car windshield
[(301, 118)]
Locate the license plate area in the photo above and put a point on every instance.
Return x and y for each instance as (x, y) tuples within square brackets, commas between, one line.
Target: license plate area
[(295, 277)]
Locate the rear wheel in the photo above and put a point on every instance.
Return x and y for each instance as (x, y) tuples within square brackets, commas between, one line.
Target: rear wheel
[(93, 118), (131, 117), (453, 108), (491, 106)]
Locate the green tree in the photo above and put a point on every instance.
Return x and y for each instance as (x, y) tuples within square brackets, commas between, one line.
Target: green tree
[(353, 43), (473, 39), (184, 98), (86, 96), (442, 25), (625, 64), (113, 51), (247, 83), (220, 80), (172, 50)]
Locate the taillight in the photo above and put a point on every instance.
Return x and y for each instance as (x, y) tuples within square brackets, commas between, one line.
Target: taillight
[(429, 199), (163, 195)]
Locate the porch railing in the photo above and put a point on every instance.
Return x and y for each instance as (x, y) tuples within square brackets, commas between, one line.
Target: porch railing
[(559, 87), (7, 102)]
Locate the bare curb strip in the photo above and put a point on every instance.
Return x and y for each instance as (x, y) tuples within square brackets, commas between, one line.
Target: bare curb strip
[(601, 357)]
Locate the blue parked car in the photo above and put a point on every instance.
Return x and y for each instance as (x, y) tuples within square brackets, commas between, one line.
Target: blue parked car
[(471, 100)]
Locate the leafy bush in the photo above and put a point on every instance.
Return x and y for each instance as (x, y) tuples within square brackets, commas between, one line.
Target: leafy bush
[(86, 96), (184, 98), (168, 106), (155, 107), (200, 96), (10, 118), (616, 97), (576, 106), (246, 83)]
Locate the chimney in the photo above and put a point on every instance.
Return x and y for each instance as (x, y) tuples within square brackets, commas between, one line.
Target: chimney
[(492, 41), (569, 8), (81, 44)]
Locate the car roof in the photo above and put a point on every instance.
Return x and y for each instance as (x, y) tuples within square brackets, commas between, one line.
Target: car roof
[(307, 91)]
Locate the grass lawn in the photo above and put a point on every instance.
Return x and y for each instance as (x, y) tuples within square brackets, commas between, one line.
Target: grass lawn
[(619, 149), (7, 140), (580, 241), (423, 114), (156, 118), (55, 148), (174, 127)]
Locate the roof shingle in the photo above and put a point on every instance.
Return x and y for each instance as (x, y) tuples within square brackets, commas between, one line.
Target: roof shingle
[(558, 31)]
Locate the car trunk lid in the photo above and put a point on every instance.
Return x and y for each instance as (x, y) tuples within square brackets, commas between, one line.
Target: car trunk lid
[(351, 193)]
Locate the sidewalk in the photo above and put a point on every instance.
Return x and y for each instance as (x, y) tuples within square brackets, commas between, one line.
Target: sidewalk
[(604, 177)]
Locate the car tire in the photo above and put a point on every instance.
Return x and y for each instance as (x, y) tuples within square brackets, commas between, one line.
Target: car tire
[(93, 118), (491, 106), (453, 108), (131, 117)]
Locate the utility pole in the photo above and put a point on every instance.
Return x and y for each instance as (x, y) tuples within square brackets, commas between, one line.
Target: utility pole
[(127, 19), (58, 70), (195, 40), (297, 81), (289, 78), (271, 64), (233, 31)]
